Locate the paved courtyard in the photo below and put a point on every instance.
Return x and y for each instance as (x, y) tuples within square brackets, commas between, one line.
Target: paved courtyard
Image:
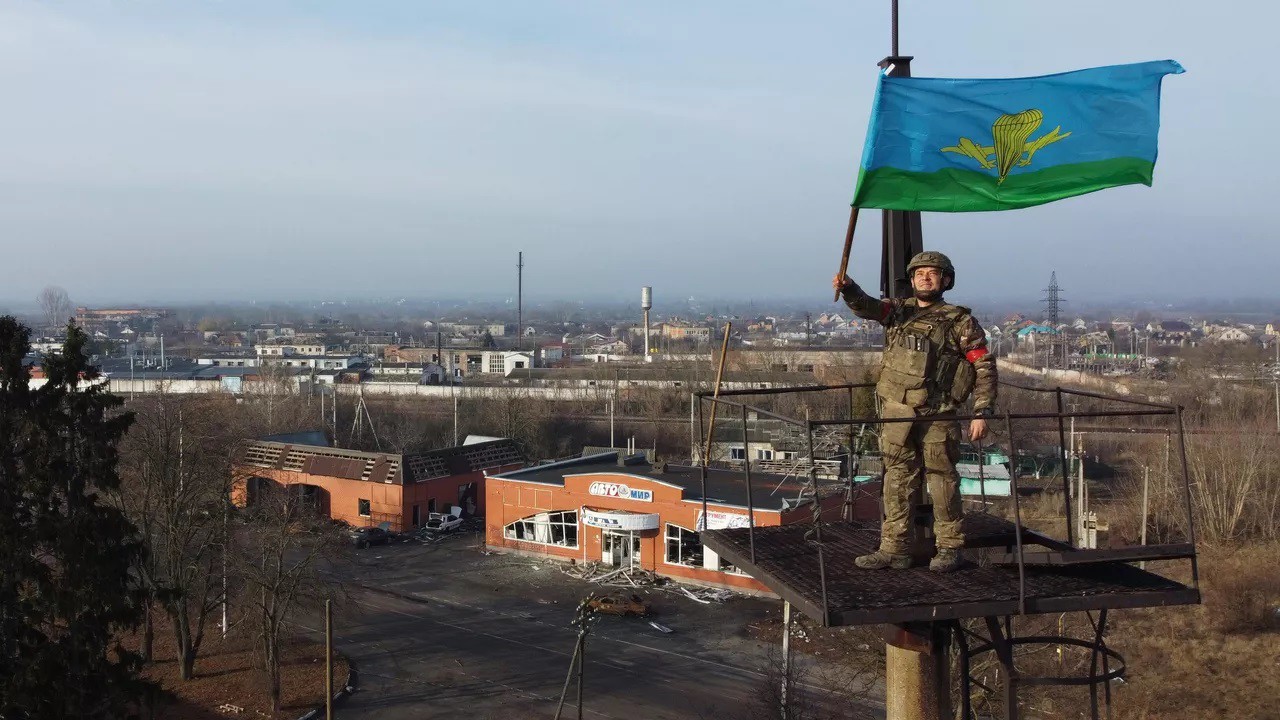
[(445, 629)]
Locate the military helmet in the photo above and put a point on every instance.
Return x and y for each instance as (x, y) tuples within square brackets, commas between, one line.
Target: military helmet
[(935, 259)]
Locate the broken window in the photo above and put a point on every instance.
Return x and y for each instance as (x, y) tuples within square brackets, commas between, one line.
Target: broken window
[(363, 508), (684, 547), (555, 528)]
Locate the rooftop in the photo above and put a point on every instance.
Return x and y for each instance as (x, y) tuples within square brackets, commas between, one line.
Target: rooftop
[(628, 373), (308, 453), (724, 487)]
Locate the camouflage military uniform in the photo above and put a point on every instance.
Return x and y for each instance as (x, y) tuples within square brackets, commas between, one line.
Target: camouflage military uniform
[(934, 358)]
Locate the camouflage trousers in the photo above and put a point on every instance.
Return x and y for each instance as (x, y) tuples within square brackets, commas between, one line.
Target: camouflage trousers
[(910, 450)]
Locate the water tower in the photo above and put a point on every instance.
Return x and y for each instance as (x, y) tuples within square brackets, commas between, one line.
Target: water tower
[(646, 303)]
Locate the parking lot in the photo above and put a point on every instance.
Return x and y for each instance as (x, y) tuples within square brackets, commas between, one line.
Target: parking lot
[(444, 628)]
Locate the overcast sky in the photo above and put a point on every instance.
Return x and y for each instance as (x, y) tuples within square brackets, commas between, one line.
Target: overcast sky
[(185, 151)]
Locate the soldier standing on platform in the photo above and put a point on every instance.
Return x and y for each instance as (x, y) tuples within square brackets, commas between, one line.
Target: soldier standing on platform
[(935, 356)]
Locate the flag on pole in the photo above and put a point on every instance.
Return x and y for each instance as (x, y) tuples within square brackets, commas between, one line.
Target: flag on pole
[(950, 145)]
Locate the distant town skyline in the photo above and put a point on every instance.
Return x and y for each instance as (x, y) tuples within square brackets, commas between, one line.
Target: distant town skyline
[(181, 152)]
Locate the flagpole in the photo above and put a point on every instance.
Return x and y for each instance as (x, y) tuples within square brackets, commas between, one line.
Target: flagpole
[(848, 244)]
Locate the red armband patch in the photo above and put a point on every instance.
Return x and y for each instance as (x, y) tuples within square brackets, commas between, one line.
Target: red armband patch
[(886, 309), (974, 356)]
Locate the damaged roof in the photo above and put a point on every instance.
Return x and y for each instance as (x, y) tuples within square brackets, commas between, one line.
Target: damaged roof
[(297, 455)]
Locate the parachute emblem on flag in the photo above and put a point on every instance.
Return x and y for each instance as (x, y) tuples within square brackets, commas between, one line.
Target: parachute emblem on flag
[(1010, 135)]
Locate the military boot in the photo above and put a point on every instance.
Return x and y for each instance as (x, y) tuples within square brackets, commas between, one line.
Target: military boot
[(945, 561), (880, 560)]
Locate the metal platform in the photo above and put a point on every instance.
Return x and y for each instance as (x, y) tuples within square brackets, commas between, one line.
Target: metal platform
[(786, 561)]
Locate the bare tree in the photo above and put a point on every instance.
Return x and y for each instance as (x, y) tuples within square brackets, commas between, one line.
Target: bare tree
[(55, 304), (284, 546), (176, 468)]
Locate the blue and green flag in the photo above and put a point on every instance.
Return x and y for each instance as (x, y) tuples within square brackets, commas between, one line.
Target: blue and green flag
[(964, 145)]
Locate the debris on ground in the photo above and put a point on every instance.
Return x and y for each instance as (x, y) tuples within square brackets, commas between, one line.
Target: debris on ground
[(638, 577), (660, 627)]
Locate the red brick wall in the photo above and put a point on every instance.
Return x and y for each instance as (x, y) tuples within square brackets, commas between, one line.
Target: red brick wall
[(509, 500), (388, 502)]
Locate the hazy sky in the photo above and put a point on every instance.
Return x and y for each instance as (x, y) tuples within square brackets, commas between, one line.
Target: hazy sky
[(182, 151)]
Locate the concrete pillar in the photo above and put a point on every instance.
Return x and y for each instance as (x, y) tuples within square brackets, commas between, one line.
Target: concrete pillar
[(917, 672)]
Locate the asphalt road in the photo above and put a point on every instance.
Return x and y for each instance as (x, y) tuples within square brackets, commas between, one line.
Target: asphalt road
[(444, 631)]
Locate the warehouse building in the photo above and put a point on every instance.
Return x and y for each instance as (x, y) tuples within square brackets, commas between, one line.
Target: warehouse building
[(369, 488), (621, 510)]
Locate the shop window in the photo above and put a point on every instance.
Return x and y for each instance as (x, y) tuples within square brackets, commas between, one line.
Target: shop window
[(684, 547), (556, 528), (728, 567), (363, 508)]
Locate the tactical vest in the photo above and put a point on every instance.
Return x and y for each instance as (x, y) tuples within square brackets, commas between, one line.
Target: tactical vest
[(923, 366)]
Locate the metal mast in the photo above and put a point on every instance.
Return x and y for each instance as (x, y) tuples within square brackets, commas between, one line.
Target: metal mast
[(900, 229), (1053, 301), (519, 299)]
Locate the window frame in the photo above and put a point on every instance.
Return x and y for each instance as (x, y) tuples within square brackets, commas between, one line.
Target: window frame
[(681, 540), (364, 508), (527, 526)]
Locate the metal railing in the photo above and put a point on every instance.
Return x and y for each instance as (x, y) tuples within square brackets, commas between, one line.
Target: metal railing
[(1134, 409)]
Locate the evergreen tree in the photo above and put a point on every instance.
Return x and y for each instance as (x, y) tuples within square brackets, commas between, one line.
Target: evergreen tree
[(66, 590)]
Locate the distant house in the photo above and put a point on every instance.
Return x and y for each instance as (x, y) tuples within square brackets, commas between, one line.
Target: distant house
[(1030, 330), (1169, 327), (1094, 343), (1170, 332), (556, 352), (1232, 335)]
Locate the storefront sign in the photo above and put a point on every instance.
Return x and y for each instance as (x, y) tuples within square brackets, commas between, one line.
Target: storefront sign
[(618, 490), (619, 520), (722, 521)]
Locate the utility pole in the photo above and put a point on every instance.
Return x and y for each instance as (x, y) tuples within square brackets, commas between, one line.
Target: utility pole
[(786, 658), (226, 513), (328, 659), (1146, 478)]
